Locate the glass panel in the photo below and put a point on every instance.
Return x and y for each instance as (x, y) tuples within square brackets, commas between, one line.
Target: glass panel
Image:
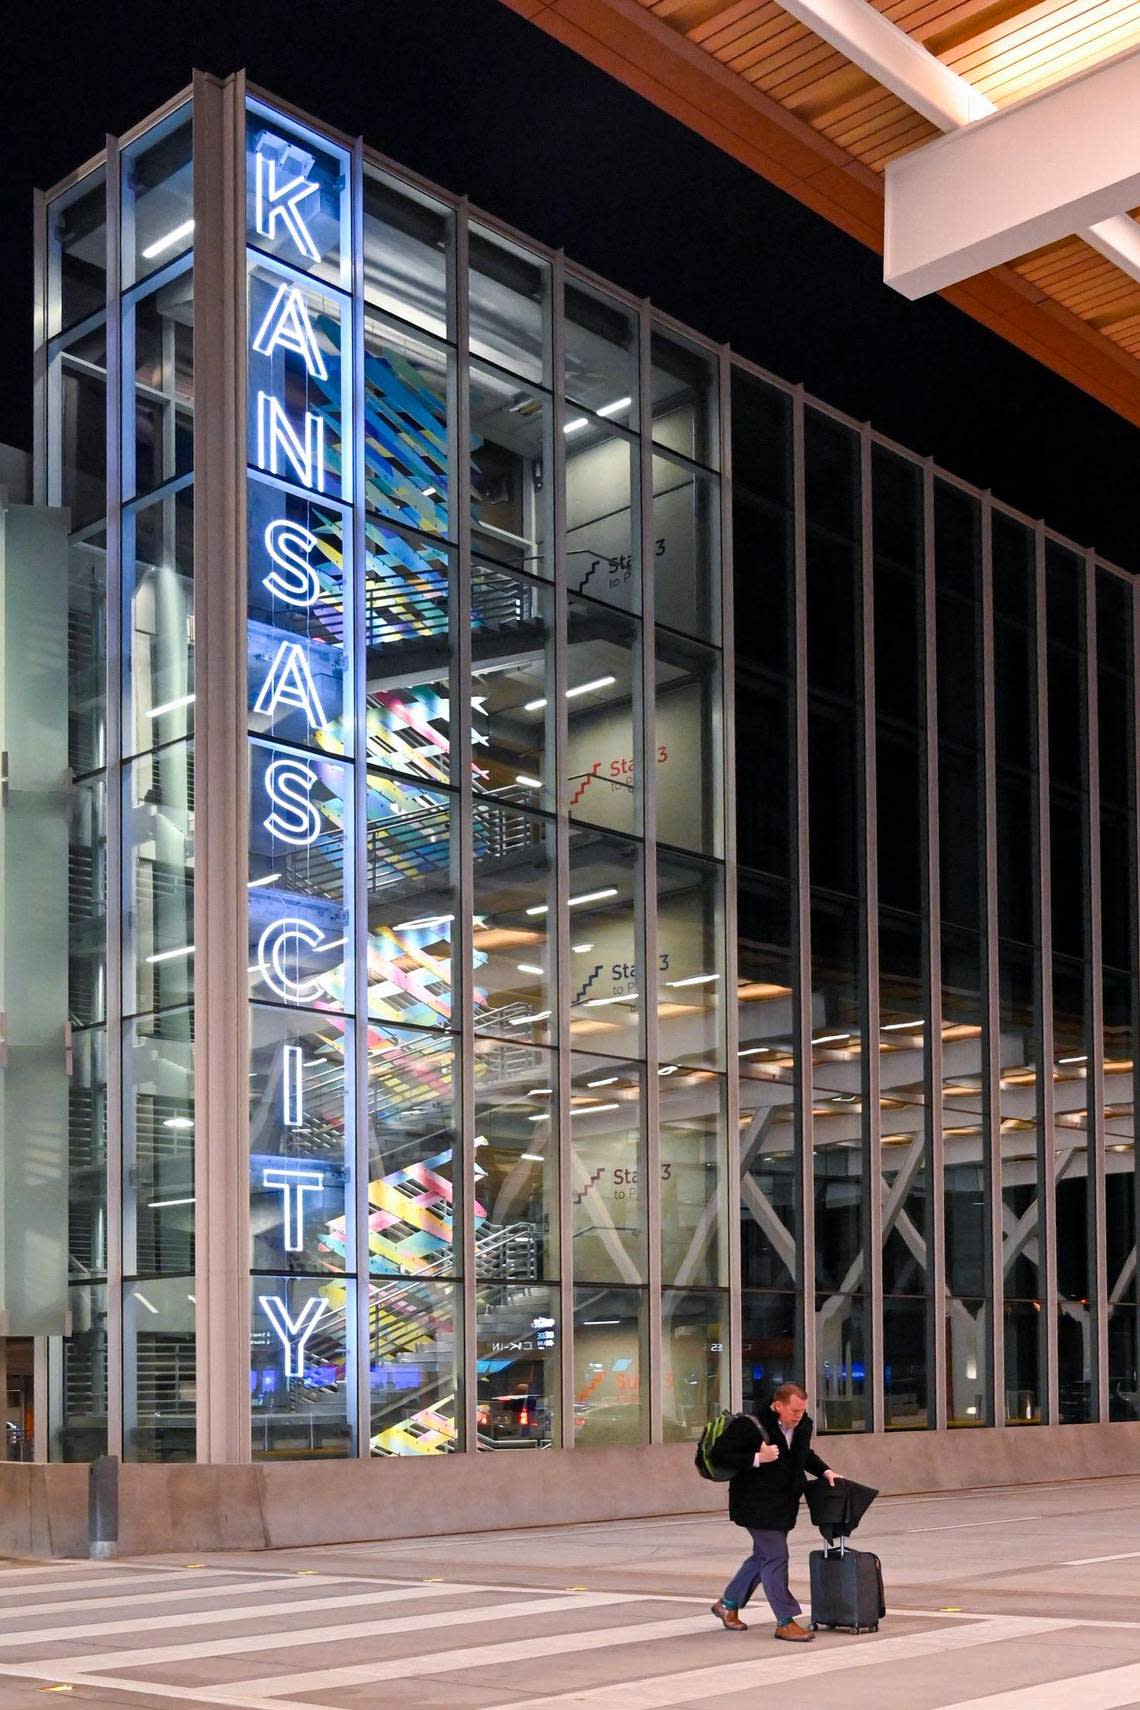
[(512, 664), (1023, 1363), (511, 454), (509, 306), (769, 1345), (158, 197), (298, 196), (412, 1125), (769, 1149), (607, 1170), (77, 254), (300, 1143), (684, 387), (605, 943), (967, 1339), (600, 344), (159, 1375), (408, 695), (837, 1097), (693, 1186), (81, 424), (690, 945), (411, 902), (516, 1165), (79, 1418), (407, 383), (87, 903), (841, 1400), (609, 1338), (158, 594), (158, 863), (695, 1358), (514, 926), (906, 1374), (302, 1348), (406, 241), (517, 1367), (299, 358), (686, 549), (413, 1359), (602, 545), (87, 1158), (158, 385), (158, 1146), (299, 911), (603, 694), (689, 804), (903, 1101), (87, 653)]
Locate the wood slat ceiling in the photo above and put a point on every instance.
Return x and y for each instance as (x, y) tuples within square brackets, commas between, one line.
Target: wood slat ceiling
[(1007, 49)]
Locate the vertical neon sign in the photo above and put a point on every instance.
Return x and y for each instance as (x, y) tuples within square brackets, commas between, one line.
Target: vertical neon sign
[(299, 435)]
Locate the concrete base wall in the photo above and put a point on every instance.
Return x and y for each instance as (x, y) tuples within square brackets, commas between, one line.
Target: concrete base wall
[(273, 1505)]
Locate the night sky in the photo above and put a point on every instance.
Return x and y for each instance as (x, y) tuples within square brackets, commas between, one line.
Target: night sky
[(484, 103)]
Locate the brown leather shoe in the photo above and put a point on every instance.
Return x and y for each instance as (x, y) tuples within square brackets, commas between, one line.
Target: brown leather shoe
[(729, 1618), (793, 1631)]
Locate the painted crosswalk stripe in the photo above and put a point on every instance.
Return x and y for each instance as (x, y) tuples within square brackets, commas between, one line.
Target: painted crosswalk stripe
[(698, 1686), (486, 1614), (1107, 1689), (121, 1600)]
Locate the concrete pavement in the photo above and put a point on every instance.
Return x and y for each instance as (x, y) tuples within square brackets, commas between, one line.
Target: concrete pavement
[(1016, 1599)]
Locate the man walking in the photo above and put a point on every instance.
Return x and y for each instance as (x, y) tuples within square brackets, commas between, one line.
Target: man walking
[(769, 1453)]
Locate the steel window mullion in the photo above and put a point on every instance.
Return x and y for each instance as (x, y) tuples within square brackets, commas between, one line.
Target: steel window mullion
[(803, 1001), (1050, 1405), (872, 1120), (729, 1198), (1098, 1282), (114, 775), (356, 608), (1134, 954), (991, 1028), (936, 1198), (463, 945), (646, 751), (557, 766)]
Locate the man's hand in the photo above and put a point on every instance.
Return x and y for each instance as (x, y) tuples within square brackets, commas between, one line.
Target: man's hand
[(832, 1476), (768, 1452)]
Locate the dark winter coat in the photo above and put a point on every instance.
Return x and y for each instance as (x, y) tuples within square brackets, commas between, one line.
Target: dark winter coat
[(767, 1497)]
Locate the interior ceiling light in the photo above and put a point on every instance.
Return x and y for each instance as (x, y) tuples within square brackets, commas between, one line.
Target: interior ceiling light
[(576, 425), (529, 783), (606, 1081), (593, 1109), (694, 980), (427, 920), (574, 902), (616, 408), (269, 879), (529, 968), (168, 241), (578, 689)]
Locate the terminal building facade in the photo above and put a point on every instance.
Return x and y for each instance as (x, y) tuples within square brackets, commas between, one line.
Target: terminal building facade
[(595, 881)]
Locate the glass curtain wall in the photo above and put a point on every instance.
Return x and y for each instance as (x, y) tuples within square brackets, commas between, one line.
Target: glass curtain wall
[(119, 412), (489, 1098)]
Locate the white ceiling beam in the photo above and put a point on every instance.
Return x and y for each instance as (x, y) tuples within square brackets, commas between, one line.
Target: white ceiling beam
[(1049, 166), (893, 59), (916, 76)]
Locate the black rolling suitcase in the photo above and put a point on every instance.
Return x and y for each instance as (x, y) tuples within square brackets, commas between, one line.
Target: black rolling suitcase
[(846, 1589)]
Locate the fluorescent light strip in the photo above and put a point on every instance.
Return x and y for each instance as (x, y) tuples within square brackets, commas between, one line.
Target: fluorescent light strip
[(574, 902), (593, 1109), (541, 1092), (528, 783), (580, 949), (606, 1081), (616, 408), (830, 1038), (541, 1116), (525, 1020), (169, 955), (269, 879), (529, 968), (593, 1323), (428, 920), (170, 706), (157, 1204), (143, 1301), (531, 1157), (179, 1122), (754, 1051), (576, 425), (1072, 1060), (578, 689), (694, 980), (162, 244), (902, 1026)]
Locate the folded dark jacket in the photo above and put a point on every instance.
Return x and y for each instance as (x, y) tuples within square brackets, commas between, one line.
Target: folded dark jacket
[(837, 1509)]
